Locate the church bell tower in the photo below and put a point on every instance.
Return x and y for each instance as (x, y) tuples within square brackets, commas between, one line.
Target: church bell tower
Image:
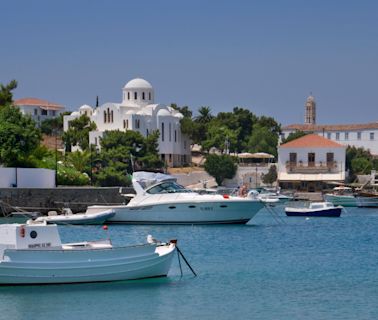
[(310, 110)]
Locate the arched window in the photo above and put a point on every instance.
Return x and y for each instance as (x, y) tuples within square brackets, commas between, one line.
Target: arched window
[(124, 124), (149, 96), (128, 96), (170, 132), (175, 135), (112, 116), (127, 124), (143, 96), (108, 115), (135, 95), (104, 116), (162, 131)]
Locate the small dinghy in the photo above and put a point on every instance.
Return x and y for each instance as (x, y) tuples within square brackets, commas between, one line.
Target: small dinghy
[(79, 218), (32, 253), (315, 209)]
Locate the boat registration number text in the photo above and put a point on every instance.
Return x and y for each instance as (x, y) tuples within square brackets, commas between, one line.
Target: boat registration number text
[(40, 245)]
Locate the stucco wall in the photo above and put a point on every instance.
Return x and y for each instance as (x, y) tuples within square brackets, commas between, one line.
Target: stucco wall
[(44, 200), (27, 178)]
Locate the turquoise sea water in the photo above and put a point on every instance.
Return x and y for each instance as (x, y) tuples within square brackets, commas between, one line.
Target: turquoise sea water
[(286, 268)]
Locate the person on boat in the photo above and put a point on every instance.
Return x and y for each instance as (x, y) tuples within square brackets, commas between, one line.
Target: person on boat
[(243, 191)]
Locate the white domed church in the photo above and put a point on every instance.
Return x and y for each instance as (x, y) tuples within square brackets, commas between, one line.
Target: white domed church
[(139, 112)]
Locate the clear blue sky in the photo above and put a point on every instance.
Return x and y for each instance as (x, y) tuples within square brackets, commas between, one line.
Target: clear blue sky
[(266, 56)]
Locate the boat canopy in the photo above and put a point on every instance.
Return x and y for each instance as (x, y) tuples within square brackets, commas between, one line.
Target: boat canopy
[(148, 179)]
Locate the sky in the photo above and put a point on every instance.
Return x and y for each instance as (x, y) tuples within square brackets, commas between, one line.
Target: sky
[(265, 56)]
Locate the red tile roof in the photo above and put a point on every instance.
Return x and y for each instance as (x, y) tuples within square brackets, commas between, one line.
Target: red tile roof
[(44, 104), (331, 127), (311, 141)]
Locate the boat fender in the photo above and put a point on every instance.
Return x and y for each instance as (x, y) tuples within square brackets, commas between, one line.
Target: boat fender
[(22, 232)]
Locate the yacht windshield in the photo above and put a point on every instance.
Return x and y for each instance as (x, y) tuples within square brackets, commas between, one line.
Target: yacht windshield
[(167, 187)]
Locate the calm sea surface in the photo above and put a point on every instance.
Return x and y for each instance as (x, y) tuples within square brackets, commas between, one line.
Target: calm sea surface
[(272, 268)]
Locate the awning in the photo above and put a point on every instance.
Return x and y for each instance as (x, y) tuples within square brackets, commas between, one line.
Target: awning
[(257, 155)]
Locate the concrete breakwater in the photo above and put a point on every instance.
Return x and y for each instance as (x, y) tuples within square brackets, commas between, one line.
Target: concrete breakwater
[(44, 200)]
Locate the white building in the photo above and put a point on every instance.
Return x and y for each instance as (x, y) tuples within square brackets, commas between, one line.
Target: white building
[(139, 112), (357, 135), (39, 109), (309, 162)]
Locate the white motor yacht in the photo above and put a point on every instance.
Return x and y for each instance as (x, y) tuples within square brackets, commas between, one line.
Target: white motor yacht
[(160, 199)]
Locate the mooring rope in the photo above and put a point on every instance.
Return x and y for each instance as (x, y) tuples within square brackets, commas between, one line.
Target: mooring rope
[(186, 261), (274, 214)]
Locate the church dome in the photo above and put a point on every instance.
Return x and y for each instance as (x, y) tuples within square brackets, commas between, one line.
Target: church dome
[(138, 83), (85, 107), (163, 112)]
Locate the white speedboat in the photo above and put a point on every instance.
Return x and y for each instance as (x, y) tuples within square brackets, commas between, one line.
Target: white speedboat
[(79, 218), (160, 200), (33, 254), (270, 198)]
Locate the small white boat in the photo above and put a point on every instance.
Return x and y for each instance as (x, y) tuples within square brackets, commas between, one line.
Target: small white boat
[(79, 218), (33, 254), (160, 200), (270, 198), (315, 209)]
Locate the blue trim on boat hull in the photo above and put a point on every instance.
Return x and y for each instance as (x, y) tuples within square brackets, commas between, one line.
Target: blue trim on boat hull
[(331, 213), (243, 221)]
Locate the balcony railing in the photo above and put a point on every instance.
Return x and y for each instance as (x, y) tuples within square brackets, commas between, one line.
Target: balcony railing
[(312, 167)]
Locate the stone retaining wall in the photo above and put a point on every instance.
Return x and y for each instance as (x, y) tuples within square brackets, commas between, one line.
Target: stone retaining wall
[(44, 200)]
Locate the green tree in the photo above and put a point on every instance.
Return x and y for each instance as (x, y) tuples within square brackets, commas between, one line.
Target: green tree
[(78, 133), (270, 123), (6, 96), (204, 115), (220, 137), (294, 135), (110, 176), (245, 120), (240, 121), (18, 137), (271, 176), (220, 167), (361, 165), (149, 158), (122, 152), (263, 139), (80, 160), (185, 111), (353, 153), (53, 126)]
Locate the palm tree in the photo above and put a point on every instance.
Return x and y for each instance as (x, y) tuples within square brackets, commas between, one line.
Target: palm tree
[(204, 116)]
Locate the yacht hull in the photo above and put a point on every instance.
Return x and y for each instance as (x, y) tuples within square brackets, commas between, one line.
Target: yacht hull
[(217, 212), (330, 213), (341, 200), (367, 201)]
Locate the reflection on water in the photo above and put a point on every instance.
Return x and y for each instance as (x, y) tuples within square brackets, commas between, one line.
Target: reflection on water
[(296, 268)]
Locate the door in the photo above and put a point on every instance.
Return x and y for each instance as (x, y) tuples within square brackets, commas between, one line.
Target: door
[(311, 159)]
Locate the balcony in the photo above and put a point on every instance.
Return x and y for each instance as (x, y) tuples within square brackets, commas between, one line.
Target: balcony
[(312, 167)]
